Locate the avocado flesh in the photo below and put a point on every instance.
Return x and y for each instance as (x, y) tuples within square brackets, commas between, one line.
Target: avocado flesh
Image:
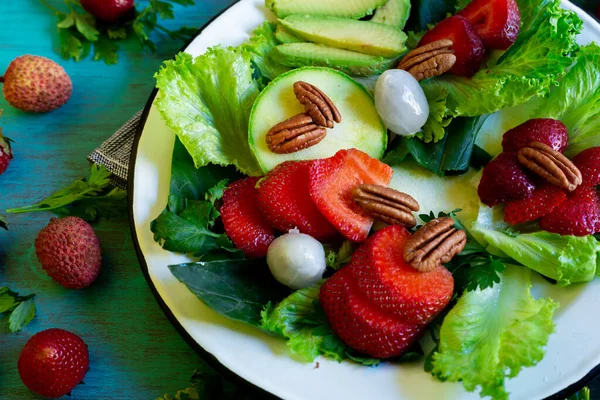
[(361, 36), (394, 13), (354, 9), (316, 55), (284, 36)]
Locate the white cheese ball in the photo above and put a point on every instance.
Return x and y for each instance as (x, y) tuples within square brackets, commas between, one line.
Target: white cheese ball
[(401, 102), (296, 260)]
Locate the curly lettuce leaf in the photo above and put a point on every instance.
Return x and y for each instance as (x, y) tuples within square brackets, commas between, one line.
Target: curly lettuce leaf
[(538, 59), (566, 259), (576, 101), (438, 120), (207, 103), (491, 334), (260, 44)]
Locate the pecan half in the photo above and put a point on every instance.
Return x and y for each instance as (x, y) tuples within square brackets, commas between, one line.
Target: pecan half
[(294, 134), (433, 59), (386, 204), (436, 243), (551, 165), (317, 104)]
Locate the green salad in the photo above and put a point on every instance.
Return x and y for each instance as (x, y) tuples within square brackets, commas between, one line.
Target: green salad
[(245, 124)]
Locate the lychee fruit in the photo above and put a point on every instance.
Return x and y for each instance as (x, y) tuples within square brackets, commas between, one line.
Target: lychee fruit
[(107, 10), (36, 84), (6, 154), (69, 252)]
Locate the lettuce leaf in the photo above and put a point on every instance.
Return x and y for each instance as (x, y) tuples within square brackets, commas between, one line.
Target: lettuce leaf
[(438, 120), (260, 44), (566, 259), (491, 334), (538, 59), (207, 102), (576, 102)]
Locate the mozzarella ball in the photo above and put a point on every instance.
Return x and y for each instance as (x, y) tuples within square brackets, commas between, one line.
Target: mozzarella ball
[(296, 260), (401, 102)]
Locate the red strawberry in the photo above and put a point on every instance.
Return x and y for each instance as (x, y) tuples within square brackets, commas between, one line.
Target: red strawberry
[(504, 179), (332, 181), (107, 10), (53, 362), (588, 162), (544, 130), (498, 22), (360, 324), (394, 286), (579, 215), (242, 219), (6, 154), (468, 47), (544, 199), (285, 202)]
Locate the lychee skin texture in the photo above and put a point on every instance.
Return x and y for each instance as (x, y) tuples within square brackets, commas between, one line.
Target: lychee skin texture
[(69, 252), (36, 84)]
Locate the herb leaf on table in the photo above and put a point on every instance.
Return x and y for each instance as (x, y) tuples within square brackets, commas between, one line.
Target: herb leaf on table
[(88, 198), (3, 223), (21, 308), (209, 385)]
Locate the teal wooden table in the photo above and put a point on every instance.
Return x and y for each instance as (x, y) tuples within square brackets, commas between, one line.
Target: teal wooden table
[(135, 352)]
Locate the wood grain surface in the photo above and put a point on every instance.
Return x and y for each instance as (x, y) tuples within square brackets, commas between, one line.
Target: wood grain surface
[(135, 352)]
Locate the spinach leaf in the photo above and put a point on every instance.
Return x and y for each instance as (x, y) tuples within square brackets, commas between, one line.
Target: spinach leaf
[(429, 12), (238, 289), (450, 156)]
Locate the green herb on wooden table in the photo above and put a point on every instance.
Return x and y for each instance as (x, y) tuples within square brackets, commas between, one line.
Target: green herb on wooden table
[(208, 385), (3, 223), (21, 308), (79, 31)]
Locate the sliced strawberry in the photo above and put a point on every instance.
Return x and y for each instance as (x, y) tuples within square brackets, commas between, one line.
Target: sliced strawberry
[(332, 181), (588, 162), (544, 130), (504, 179), (579, 215), (468, 47), (285, 202), (242, 219), (394, 286), (360, 324), (543, 201), (498, 22)]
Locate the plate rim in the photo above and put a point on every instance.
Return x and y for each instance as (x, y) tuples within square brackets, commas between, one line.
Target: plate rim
[(209, 358)]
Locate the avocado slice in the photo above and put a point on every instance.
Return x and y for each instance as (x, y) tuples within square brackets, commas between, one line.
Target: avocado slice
[(336, 8), (317, 55), (394, 13), (361, 36), (284, 36), (361, 126)]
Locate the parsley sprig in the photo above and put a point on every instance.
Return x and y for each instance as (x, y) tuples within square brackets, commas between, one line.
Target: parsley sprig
[(21, 308), (87, 198), (79, 32)]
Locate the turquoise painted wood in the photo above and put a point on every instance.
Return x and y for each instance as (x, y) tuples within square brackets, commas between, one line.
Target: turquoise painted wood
[(135, 352)]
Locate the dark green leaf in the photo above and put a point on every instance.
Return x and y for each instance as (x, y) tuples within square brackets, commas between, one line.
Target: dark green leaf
[(21, 316), (183, 33), (428, 12), (119, 33), (71, 45), (106, 50), (164, 9), (8, 299), (184, 2), (3, 223), (366, 361), (238, 289), (85, 26), (66, 22), (480, 158), (216, 192), (583, 394)]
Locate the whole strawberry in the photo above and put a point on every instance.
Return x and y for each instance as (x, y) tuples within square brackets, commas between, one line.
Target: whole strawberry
[(107, 10), (53, 362), (6, 154), (36, 84), (504, 179), (544, 130), (69, 252)]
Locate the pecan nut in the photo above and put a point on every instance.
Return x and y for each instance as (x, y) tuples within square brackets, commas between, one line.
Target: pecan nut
[(386, 204), (294, 134), (317, 104), (553, 166), (436, 243), (433, 59)]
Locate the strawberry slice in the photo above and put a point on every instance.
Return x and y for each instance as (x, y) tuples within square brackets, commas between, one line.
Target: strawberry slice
[(284, 200), (579, 215), (394, 286), (498, 22), (544, 130), (543, 201), (331, 183), (360, 324), (588, 162), (504, 179), (242, 219), (468, 47)]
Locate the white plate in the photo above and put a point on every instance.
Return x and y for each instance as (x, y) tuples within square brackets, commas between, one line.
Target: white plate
[(573, 351)]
